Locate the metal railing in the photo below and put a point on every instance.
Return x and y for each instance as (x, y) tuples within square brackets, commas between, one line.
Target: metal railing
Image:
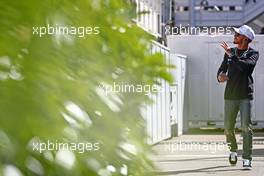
[(217, 13)]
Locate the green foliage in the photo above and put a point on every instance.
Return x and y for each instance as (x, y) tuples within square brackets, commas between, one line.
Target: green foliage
[(49, 87)]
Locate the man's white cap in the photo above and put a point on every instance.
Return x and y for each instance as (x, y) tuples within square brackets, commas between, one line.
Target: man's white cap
[(246, 31)]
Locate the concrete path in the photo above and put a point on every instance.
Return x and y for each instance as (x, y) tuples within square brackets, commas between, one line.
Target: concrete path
[(201, 155)]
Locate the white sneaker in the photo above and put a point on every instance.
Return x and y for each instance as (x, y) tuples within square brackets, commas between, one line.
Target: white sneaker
[(247, 164), (233, 158)]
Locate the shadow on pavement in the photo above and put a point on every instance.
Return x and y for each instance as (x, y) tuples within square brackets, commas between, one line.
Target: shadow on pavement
[(201, 170), (220, 131), (255, 152), (190, 159)]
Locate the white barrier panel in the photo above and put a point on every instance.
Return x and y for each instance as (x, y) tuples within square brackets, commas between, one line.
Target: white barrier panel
[(167, 107), (157, 115), (177, 92), (205, 95)]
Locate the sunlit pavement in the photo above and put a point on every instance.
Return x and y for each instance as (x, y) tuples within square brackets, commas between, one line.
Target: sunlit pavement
[(200, 155)]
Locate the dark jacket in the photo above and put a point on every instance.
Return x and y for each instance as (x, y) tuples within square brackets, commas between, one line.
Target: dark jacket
[(239, 67)]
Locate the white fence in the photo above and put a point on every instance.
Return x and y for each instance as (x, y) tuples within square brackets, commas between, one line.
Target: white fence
[(166, 110), (205, 96), (157, 115), (177, 92)]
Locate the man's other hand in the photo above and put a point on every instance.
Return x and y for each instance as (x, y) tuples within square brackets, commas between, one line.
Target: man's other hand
[(222, 77)]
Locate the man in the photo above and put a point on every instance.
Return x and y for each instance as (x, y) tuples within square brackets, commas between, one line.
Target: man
[(236, 69)]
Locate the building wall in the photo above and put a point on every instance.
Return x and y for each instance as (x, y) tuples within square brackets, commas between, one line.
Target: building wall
[(205, 95), (158, 14), (216, 13), (149, 16)]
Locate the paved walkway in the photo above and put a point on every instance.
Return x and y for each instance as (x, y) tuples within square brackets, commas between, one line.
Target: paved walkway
[(201, 155)]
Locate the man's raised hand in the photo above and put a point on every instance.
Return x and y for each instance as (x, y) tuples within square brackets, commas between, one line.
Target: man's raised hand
[(226, 48)]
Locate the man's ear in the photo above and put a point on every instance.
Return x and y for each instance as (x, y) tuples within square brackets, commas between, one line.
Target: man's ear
[(246, 40)]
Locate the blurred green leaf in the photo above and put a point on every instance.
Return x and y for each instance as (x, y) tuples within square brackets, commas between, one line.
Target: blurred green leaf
[(49, 88)]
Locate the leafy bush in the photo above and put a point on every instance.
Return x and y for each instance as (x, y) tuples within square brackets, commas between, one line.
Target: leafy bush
[(49, 88)]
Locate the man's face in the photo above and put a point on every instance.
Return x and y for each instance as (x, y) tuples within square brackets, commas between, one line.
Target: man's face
[(238, 38)]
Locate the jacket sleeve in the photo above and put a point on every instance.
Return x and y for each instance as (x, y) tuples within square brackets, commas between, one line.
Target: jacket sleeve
[(223, 67), (248, 63)]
